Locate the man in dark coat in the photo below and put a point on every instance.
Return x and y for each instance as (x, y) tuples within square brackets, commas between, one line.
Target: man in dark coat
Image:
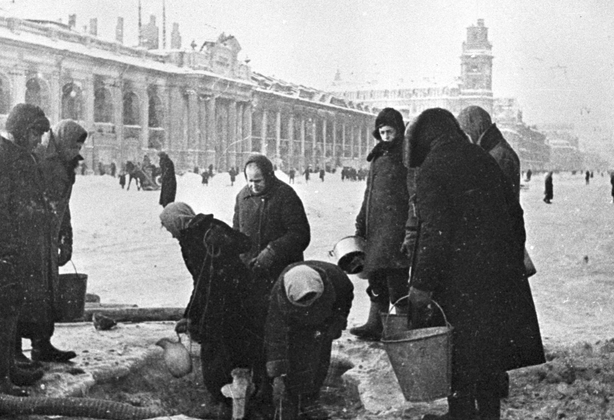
[(309, 306), (548, 189), (169, 182), (381, 221), (470, 260), (25, 244), (272, 215), (58, 164)]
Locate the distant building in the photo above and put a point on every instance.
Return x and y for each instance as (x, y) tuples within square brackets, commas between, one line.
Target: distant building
[(201, 105)]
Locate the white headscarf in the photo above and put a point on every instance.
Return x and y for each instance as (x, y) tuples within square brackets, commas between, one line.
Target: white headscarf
[(175, 217), (300, 281)]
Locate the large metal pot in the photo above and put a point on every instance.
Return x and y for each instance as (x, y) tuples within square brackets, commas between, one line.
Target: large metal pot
[(349, 253)]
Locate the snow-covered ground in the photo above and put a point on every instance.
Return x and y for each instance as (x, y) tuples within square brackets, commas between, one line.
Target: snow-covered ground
[(130, 258)]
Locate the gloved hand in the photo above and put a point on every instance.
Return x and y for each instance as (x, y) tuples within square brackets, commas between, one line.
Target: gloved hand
[(264, 260), (65, 253), (407, 248), (279, 389), (419, 301), (181, 327)]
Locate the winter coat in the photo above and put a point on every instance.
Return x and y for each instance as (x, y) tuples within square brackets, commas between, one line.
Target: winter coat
[(470, 255), (384, 211), (59, 177), (548, 188), (277, 219), (25, 232), (169, 182), (298, 339), (495, 144)]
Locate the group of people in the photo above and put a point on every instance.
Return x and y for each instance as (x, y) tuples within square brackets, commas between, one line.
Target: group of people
[(442, 222), (36, 182)]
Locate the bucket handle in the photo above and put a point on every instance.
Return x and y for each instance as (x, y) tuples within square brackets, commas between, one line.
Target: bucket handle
[(445, 318)]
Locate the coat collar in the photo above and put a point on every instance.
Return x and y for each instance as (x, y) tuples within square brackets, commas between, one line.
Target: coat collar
[(490, 138)]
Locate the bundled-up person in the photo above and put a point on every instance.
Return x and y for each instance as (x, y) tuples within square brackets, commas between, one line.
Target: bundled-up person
[(227, 310), (58, 162), (470, 259), (25, 243), (382, 222), (309, 306), (169, 182), (271, 213)]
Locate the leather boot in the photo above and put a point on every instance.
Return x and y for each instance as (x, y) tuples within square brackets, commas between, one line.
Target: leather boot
[(21, 360), (372, 329), (8, 326), (43, 351)]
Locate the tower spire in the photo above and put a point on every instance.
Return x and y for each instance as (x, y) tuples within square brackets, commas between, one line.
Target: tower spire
[(163, 24), (140, 26)]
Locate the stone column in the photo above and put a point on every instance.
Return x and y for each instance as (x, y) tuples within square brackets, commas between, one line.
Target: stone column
[(343, 140), (202, 132), (55, 100), (144, 117), (334, 153), (291, 140), (323, 142), (302, 142), (211, 134), (277, 135), (88, 95), (231, 142), (247, 136), (263, 131), (118, 118), (193, 134), (240, 144), (19, 79)]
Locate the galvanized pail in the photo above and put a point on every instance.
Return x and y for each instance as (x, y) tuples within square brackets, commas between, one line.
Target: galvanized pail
[(72, 296), (421, 358), (350, 254)]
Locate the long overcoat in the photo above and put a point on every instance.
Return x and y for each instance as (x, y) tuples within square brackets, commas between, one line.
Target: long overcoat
[(169, 181), (59, 178), (470, 254), (25, 231), (384, 211), (495, 144), (276, 218)]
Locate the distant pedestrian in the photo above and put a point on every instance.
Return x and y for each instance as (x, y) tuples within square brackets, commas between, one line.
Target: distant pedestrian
[(587, 177), (307, 172), (205, 178), (122, 179), (529, 173), (291, 175), (322, 174), (233, 176), (549, 189), (169, 181), (113, 169), (210, 170), (612, 183)]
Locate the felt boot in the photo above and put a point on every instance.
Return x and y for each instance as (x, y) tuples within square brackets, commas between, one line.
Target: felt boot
[(43, 351), (372, 329), (8, 325)]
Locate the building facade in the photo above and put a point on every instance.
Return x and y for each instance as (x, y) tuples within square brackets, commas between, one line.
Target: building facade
[(203, 106)]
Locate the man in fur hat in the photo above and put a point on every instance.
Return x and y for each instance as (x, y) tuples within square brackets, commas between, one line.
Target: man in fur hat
[(24, 228), (309, 306)]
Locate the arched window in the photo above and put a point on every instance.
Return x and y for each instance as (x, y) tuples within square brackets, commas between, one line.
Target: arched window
[(71, 102), (155, 111), (131, 109), (103, 106)]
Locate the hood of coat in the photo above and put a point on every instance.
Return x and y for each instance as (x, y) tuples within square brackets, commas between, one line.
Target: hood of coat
[(176, 217), (474, 121), (390, 117), (67, 135), (491, 138), (433, 127)]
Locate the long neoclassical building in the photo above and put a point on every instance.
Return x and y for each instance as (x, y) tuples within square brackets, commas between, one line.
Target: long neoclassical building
[(201, 105)]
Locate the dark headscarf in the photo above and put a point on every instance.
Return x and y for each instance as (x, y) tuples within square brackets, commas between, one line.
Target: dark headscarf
[(432, 126), (24, 117), (474, 121), (387, 117)]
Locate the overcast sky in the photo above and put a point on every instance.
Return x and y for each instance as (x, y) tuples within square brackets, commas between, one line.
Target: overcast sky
[(555, 56)]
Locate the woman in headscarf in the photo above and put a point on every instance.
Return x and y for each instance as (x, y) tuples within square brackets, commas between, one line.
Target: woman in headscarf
[(470, 260), (382, 220)]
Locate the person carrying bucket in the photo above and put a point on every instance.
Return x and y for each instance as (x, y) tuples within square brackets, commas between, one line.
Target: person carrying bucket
[(382, 220), (470, 260)]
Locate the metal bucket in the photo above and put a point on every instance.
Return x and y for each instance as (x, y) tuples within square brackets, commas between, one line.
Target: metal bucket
[(350, 254), (72, 296), (421, 358)]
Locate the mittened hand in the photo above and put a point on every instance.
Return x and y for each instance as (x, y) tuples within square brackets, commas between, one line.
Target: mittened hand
[(65, 253), (264, 260), (181, 327)]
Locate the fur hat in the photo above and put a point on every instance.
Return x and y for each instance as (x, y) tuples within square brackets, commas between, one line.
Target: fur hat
[(24, 117), (303, 285), (390, 117)]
